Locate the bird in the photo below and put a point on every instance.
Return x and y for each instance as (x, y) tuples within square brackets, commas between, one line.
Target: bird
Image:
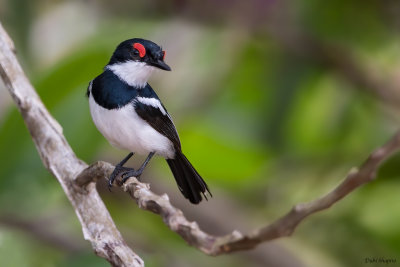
[(129, 114)]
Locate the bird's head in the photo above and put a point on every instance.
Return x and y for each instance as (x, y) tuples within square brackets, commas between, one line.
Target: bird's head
[(134, 60)]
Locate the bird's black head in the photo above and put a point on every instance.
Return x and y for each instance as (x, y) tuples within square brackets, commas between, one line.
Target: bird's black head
[(140, 50)]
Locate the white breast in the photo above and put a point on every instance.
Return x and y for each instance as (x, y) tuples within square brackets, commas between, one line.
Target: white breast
[(124, 129)]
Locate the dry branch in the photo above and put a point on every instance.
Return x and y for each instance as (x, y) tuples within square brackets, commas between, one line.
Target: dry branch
[(60, 160), (78, 181), (284, 226)]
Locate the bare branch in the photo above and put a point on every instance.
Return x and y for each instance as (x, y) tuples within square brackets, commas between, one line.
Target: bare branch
[(284, 226), (60, 160)]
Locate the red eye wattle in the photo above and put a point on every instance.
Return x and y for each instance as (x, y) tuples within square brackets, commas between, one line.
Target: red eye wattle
[(163, 55), (140, 48)]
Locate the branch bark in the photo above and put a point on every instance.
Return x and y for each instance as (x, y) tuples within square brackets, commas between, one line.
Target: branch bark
[(78, 181), (282, 227), (60, 160)]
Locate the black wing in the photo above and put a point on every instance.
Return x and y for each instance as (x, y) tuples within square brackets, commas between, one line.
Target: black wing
[(159, 120)]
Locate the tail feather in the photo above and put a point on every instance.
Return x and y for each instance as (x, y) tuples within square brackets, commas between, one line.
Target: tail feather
[(188, 179)]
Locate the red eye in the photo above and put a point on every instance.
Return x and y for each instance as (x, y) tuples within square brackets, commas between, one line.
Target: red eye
[(140, 48), (163, 55)]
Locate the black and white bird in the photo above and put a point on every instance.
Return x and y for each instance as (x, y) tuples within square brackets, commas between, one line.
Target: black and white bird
[(129, 114)]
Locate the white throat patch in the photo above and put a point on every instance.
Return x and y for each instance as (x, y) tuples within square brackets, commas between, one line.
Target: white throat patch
[(132, 72)]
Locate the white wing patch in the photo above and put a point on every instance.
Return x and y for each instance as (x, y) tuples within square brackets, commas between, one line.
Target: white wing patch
[(154, 102), (132, 72)]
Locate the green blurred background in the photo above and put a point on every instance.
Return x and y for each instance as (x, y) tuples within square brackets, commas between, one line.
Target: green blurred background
[(274, 102)]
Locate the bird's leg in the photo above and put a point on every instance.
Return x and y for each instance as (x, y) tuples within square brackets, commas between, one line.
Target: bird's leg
[(118, 169), (132, 173)]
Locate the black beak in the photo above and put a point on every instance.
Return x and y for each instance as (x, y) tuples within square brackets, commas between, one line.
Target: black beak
[(159, 64)]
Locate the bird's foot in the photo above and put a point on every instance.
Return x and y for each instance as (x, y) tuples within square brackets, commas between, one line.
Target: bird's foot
[(131, 173), (118, 169)]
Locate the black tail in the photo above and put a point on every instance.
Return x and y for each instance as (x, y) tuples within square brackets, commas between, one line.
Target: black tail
[(189, 181)]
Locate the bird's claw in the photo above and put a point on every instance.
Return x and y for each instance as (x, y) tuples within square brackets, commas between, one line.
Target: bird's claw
[(118, 169), (131, 173)]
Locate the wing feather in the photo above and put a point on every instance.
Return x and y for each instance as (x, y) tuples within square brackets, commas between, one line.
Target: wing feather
[(154, 113)]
